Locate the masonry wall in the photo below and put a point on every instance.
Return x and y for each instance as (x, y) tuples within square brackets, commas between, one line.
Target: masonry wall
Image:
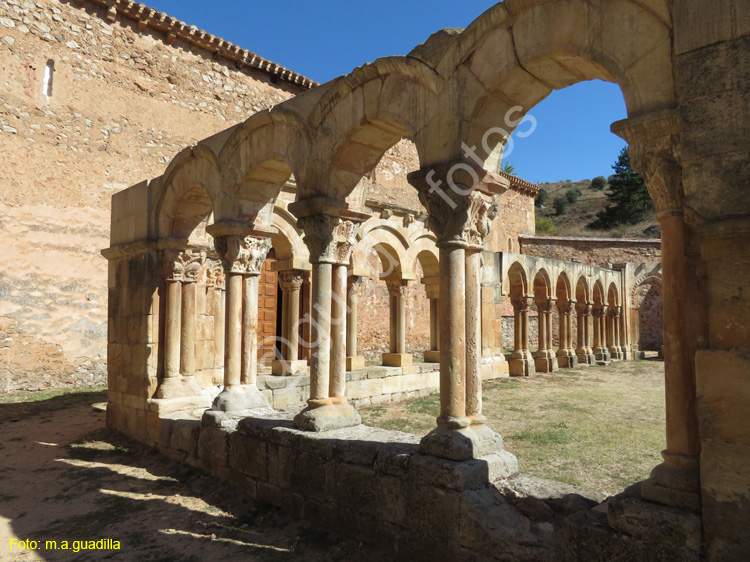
[(592, 251)]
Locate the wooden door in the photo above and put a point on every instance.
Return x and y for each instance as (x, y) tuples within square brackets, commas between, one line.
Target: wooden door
[(267, 303)]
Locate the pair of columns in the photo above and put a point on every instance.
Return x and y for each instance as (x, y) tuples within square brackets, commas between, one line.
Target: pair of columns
[(433, 295), (566, 353), (329, 233), (183, 270), (545, 360), (242, 251), (522, 363), (614, 331), (462, 205), (397, 289), (601, 352), (584, 351), (291, 282)]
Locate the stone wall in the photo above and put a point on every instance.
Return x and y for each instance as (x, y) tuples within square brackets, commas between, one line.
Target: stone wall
[(592, 251)]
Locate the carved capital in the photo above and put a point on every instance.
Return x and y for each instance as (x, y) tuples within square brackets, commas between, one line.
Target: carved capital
[(330, 239), (461, 201), (397, 287), (242, 254), (291, 280), (521, 305), (655, 152), (215, 273), (184, 266)]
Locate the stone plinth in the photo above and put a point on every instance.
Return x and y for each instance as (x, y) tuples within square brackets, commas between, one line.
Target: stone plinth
[(356, 363), (397, 359), (288, 368)]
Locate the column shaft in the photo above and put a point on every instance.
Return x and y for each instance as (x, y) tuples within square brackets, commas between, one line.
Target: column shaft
[(338, 333), (187, 332), (172, 330), (452, 335), (233, 331), (352, 320), (293, 324), (473, 334), (320, 358), (434, 338), (250, 329)]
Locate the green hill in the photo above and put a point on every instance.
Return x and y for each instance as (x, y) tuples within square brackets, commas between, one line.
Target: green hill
[(573, 220)]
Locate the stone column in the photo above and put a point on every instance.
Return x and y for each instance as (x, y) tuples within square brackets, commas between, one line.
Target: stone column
[(461, 218), (544, 359), (611, 325), (216, 279), (587, 333), (179, 333), (584, 351), (655, 150), (521, 362), (474, 335), (243, 251), (566, 355), (354, 362), (433, 294), (291, 285), (398, 356), (600, 333), (330, 229)]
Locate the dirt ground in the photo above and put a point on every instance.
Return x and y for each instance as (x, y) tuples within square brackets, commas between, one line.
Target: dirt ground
[(63, 477)]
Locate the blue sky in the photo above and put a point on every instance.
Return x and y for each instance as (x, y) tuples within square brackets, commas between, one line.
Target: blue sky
[(325, 39)]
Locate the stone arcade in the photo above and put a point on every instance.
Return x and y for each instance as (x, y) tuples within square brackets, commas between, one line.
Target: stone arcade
[(684, 79)]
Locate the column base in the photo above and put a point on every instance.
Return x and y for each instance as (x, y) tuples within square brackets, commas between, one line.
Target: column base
[(355, 363), (586, 359), (238, 398), (472, 442), (326, 418), (178, 387), (521, 367), (288, 368), (675, 482), (545, 364), (432, 356), (603, 358), (615, 353), (397, 359), (567, 361)]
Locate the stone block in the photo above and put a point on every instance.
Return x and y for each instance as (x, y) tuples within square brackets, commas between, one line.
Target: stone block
[(298, 471), (287, 398), (184, 436), (355, 363), (248, 456), (213, 449), (397, 359), (289, 368), (365, 388), (432, 356)]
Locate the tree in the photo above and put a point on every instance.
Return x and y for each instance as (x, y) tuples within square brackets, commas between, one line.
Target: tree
[(628, 200), (542, 198), (509, 169), (560, 204), (572, 195), (599, 183)]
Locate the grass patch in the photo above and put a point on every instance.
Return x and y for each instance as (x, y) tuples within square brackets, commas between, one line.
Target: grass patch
[(598, 427)]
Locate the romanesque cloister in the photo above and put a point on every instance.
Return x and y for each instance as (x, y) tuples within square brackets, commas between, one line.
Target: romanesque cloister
[(187, 256)]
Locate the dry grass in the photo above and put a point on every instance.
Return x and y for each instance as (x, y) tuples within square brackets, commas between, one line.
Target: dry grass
[(598, 427)]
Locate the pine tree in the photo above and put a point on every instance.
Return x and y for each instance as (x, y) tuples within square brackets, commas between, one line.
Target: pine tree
[(628, 200)]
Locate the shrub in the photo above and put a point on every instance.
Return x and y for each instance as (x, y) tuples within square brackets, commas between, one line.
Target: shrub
[(545, 226), (560, 204), (599, 183)]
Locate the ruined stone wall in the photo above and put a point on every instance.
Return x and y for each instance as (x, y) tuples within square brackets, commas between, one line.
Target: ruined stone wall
[(516, 217), (650, 319), (592, 251)]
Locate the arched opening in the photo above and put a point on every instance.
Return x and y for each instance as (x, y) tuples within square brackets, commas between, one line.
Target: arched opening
[(584, 349), (428, 270), (648, 317), (520, 361), (49, 76), (544, 358), (566, 355)]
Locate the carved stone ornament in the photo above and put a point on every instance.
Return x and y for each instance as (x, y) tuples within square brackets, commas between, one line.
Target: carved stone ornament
[(655, 152), (184, 266), (465, 220), (330, 239), (521, 305), (291, 280), (397, 287), (244, 255), (215, 273)]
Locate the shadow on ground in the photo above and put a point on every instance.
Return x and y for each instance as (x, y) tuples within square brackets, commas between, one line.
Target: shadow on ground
[(64, 477)]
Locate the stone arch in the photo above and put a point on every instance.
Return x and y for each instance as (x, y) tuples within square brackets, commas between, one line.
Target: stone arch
[(370, 111), (613, 295), (518, 52), (542, 286), (582, 290), (391, 247), (650, 279), (287, 241), (260, 156), (563, 289), (188, 195), (598, 294), (518, 284)]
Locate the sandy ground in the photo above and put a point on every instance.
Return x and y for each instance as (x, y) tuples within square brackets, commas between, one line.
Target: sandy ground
[(63, 477)]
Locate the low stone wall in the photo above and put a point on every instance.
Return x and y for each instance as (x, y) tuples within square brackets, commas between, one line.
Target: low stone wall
[(374, 486)]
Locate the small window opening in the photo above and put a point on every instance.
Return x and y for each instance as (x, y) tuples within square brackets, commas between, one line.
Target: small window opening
[(49, 74)]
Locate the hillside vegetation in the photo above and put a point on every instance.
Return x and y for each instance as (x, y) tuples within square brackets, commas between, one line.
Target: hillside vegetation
[(573, 219)]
